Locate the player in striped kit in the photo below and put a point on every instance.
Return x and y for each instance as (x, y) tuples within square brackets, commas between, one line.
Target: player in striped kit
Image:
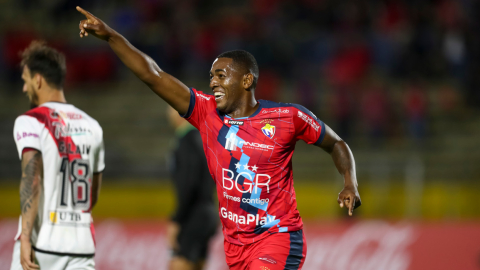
[(249, 146), (62, 156)]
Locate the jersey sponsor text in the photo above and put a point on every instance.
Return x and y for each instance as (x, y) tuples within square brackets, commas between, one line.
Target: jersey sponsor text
[(309, 120), (229, 183), (249, 218)]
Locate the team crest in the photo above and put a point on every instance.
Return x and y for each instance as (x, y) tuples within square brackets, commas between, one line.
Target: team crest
[(268, 130)]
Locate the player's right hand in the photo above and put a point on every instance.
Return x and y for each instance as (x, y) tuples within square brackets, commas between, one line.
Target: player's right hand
[(350, 198), (27, 256), (93, 25)]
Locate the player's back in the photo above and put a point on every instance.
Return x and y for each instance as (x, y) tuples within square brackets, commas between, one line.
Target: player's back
[(71, 145)]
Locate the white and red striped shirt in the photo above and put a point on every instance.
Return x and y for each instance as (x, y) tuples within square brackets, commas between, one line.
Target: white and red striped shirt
[(71, 144)]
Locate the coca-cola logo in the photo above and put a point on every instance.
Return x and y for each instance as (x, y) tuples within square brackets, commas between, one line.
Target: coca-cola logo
[(374, 245)]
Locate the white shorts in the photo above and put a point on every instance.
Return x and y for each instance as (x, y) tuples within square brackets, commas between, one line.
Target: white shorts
[(53, 262)]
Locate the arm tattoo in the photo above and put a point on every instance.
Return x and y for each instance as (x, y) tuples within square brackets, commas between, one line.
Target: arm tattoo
[(30, 182)]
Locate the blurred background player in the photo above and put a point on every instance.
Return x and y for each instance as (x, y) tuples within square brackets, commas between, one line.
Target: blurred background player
[(195, 219), (62, 156)]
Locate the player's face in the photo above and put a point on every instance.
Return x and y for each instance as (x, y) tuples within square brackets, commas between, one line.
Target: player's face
[(225, 81), (29, 86)]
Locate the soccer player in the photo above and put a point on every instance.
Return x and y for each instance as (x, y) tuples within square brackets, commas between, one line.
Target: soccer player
[(62, 157), (249, 145), (194, 192)]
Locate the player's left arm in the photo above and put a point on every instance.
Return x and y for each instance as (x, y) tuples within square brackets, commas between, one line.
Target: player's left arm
[(344, 161), (30, 189)]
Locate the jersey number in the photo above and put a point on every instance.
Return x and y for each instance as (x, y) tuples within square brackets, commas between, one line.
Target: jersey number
[(74, 179)]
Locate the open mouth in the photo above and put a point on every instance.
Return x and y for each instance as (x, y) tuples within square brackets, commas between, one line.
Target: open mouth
[(219, 95)]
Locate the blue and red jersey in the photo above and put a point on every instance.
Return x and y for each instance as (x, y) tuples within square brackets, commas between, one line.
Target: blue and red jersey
[(250, 160)]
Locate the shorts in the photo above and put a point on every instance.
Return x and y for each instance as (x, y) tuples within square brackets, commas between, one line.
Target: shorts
[(53, 262), (276, 252), (196, 232)]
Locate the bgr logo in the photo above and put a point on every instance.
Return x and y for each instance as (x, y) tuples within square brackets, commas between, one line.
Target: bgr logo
[(229, 183)]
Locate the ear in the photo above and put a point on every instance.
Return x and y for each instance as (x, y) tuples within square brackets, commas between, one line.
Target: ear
[(247, 80), (38, 81)]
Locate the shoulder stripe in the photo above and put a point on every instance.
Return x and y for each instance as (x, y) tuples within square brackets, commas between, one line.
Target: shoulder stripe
[(191, 106), (267, 104), (56, 128), (302, 109), (322, 134)]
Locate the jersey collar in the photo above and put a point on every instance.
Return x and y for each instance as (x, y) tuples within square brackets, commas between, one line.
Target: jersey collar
[(223, 115)]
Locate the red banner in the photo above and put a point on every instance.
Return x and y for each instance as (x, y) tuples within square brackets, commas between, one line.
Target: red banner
[(365, 245)]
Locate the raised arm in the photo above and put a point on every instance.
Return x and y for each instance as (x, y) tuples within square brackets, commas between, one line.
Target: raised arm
[(173, 91), (345, 163), (30, 189)]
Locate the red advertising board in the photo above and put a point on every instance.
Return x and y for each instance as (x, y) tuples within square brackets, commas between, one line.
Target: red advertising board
[(364, 245)]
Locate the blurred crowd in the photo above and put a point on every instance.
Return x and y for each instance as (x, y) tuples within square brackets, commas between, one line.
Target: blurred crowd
[(385, 65)]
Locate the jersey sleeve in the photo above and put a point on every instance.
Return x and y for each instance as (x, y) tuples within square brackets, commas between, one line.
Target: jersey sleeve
[(307, 126), (26, 133), (200, 106), (99, 163)]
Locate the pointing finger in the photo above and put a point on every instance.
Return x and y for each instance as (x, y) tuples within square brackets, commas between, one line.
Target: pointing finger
[(83, 11), (86, 13)]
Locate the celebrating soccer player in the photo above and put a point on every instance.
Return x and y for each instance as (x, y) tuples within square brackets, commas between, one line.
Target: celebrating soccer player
[(249, 145), (62, 154)]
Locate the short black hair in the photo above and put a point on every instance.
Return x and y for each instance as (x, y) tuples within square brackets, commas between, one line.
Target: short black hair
[(46, 61), (244, 60)]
